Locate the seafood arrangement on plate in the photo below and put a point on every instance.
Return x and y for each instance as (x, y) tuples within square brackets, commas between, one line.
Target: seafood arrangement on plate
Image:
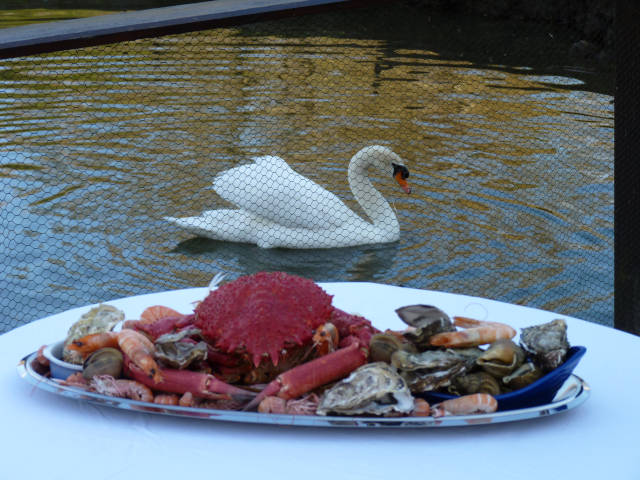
[(274, 343)]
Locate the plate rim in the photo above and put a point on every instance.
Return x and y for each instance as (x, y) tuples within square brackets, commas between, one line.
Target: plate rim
[(572, 393)]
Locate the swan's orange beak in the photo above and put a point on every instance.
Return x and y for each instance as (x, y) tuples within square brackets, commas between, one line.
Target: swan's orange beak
[(401, 173)]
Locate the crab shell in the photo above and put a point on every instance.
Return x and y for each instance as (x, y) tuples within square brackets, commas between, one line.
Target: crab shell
[(263, 314)]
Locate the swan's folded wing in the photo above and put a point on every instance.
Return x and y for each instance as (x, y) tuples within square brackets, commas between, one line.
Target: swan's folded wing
[(270, 189)]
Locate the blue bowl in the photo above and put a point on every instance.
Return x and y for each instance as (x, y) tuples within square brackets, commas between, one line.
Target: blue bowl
[(539, 392)]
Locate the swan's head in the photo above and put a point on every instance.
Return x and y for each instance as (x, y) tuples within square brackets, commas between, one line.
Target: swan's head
[(385, 160)]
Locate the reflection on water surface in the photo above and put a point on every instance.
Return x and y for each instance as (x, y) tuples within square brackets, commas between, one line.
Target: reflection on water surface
[(510, 158)]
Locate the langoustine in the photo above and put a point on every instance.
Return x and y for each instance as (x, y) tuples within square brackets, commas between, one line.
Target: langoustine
[(466, 405), (476, 332)]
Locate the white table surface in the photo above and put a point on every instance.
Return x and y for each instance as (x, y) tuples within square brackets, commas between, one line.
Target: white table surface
[(46, 436)]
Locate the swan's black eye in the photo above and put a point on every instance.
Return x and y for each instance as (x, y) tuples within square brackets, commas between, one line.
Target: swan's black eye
[(404, 171)]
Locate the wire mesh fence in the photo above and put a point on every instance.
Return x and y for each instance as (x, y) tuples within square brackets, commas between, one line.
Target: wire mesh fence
[(119, 163)]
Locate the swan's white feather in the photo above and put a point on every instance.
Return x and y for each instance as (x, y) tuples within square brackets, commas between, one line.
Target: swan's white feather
[(271, 190)]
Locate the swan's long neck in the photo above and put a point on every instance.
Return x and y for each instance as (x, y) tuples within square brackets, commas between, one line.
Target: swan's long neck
[(371, 201)]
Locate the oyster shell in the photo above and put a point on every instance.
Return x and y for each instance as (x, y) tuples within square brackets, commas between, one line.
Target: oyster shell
[(546, 343), (431, 369), (180, 354), (173, 351), (106, 361), (373, 389), (477, 382), (501, 358), (426, 321), (99, 319)]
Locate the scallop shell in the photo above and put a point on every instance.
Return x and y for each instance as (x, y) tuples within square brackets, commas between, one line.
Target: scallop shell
[(373, 389)]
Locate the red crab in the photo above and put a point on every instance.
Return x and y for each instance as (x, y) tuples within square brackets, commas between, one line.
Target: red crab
[(265, 325)]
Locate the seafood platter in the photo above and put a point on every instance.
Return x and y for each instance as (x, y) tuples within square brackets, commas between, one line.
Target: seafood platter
[(271, 348)]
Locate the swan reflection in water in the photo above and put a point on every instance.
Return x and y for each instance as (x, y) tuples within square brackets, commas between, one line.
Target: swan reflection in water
[(355, 264), (277, 207)]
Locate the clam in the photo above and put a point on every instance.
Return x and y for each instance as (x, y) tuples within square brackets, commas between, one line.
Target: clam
[(426, 321), (431, 369), (501, 358), (547, 343), (373, 389), (524, 375), (99, 319), (105, 361), (477, 382)]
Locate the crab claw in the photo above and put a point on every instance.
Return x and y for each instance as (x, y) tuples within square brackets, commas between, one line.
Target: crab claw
[(199, 384), (308, 376)]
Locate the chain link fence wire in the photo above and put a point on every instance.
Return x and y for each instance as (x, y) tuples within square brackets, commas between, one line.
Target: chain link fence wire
[(507, 141)]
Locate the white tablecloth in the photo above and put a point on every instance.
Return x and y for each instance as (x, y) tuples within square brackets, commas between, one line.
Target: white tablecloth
[(45, 436)]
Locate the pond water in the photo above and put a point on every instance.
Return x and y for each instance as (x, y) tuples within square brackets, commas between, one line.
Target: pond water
[(510, 149)]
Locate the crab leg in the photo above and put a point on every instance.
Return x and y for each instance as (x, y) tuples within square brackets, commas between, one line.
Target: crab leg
[(308, 376), (180, 381)]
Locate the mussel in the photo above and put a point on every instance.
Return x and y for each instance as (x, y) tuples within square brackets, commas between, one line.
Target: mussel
[(501, 358), (426, 321), (105, 361), (546, 343), (373, 389)]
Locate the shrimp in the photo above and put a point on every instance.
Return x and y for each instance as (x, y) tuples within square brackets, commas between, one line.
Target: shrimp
[(157, 312), (107, 385), (133, 344), (94, 341), (140, 349), (476, 333), (466, 405)]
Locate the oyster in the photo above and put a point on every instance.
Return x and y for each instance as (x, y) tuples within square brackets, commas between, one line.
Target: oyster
[(99, 319), (106, 361), (524, 375), (180, 354), (547, 343), (431, 369), (373, 389), (477, 382), (426, 321), (501, 358)]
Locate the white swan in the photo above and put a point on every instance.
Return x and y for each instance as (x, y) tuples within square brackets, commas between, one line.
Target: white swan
[(278, 207)]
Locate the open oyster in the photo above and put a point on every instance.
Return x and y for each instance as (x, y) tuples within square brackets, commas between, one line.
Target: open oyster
[(546, 343), (172, 350), (373, 389), (426, 321), (99, 319)]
